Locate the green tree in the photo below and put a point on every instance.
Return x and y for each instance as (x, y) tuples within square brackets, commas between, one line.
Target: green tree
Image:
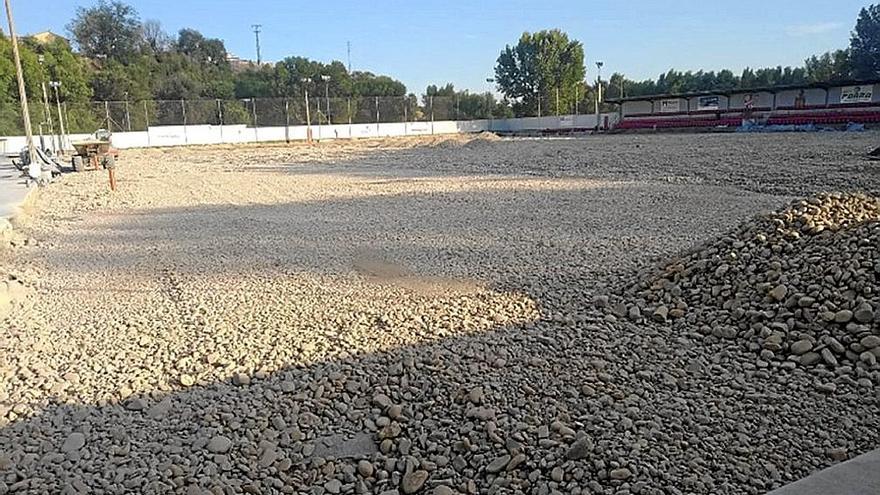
[(108, 30), (864, 45), (830, 66), (538, 66)]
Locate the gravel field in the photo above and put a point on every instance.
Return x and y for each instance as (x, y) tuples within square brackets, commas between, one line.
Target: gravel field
[(415, 316)]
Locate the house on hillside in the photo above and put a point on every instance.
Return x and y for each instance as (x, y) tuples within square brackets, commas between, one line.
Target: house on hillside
[(46, 37)]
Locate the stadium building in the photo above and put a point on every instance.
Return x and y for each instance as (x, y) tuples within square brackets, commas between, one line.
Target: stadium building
[(817, 103)]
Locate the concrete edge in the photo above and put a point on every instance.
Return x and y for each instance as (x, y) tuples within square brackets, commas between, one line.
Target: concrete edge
[(857, 476)]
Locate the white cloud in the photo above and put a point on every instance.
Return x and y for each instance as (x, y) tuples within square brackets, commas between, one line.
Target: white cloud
[(812, 29)]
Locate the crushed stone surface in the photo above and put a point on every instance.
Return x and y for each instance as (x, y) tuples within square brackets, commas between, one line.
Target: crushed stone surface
[(408, 316)]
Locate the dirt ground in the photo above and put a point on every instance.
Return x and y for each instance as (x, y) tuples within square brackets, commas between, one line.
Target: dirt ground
[(399, 315)]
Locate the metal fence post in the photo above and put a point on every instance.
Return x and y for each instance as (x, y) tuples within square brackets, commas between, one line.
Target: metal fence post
[(404, 117), (377, 116), (431, 101), (456, 106), (147, 122), (107, 115), (349, 118), (127, 114), (254, 110), (220, 118), (183, 111), (308, 119), (286, 121), (318, 114)]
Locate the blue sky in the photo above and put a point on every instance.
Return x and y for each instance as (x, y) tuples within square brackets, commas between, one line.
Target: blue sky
[(424, 42)]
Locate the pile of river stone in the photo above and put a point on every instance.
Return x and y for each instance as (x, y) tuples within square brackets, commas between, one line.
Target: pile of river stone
[(800, 287)]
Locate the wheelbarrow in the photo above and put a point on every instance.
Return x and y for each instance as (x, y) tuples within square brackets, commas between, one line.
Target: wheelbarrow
[(94, 154)]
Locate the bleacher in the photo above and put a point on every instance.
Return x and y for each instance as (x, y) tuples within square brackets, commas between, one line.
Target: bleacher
[(831, 104), (810, 117)]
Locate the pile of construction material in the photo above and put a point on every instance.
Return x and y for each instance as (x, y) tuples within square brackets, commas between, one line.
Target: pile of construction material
[(800, 287)]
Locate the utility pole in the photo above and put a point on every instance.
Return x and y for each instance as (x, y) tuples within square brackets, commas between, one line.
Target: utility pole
[(34, 168), (348, 48), (257, 36)]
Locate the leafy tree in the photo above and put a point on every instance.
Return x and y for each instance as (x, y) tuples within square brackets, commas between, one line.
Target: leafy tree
[(156, 39), (830, 66), (538, 66), (207, 51), (108, 30), (369, 84), (864, 45), (463, 105)]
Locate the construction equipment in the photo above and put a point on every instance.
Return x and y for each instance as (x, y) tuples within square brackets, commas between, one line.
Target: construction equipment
[(94, 154)]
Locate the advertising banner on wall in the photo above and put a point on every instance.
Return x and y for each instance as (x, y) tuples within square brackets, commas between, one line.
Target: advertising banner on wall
[(708, 103), (667, 106), (857, 94)]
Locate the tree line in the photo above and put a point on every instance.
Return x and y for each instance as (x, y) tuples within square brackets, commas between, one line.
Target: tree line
[(119, 57), (548, 68)]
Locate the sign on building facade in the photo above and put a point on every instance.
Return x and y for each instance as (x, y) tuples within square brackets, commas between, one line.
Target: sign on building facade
[(708, 103), (857, 94), (668, 106)]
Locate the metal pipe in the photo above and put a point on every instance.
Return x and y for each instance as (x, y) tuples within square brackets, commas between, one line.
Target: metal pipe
[(286, 120), (127, 114), (254, 109), (61, 128), (183, 110), (147, 122), (220, 117)]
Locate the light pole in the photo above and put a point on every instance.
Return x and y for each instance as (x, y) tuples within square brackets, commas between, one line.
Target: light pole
[(326, 80), (55, 85), (306, 81), (599, 65), (47, 112)]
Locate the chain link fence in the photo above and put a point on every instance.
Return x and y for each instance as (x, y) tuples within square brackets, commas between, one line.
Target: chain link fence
[(122, 116)]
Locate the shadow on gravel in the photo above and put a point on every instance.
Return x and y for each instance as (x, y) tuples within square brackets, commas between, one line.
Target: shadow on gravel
[(649, 420)]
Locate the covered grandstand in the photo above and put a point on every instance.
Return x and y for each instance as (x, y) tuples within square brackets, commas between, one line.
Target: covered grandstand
[(836, 103)]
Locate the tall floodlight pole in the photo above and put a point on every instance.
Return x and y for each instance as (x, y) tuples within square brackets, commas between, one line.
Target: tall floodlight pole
[(47, 112), (348, 49), (326, 80), (257, 37), (306, 82), (55, 85), (33, 167), (598, 91)]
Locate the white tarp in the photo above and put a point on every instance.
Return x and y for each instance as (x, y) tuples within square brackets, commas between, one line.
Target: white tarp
[(857, 94), (669, 106)]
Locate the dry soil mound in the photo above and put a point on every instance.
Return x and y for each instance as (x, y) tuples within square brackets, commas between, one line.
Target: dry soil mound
[(800, 286)]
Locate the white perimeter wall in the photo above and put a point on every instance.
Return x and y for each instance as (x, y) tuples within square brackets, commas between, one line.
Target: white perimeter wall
[(178, 135)]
